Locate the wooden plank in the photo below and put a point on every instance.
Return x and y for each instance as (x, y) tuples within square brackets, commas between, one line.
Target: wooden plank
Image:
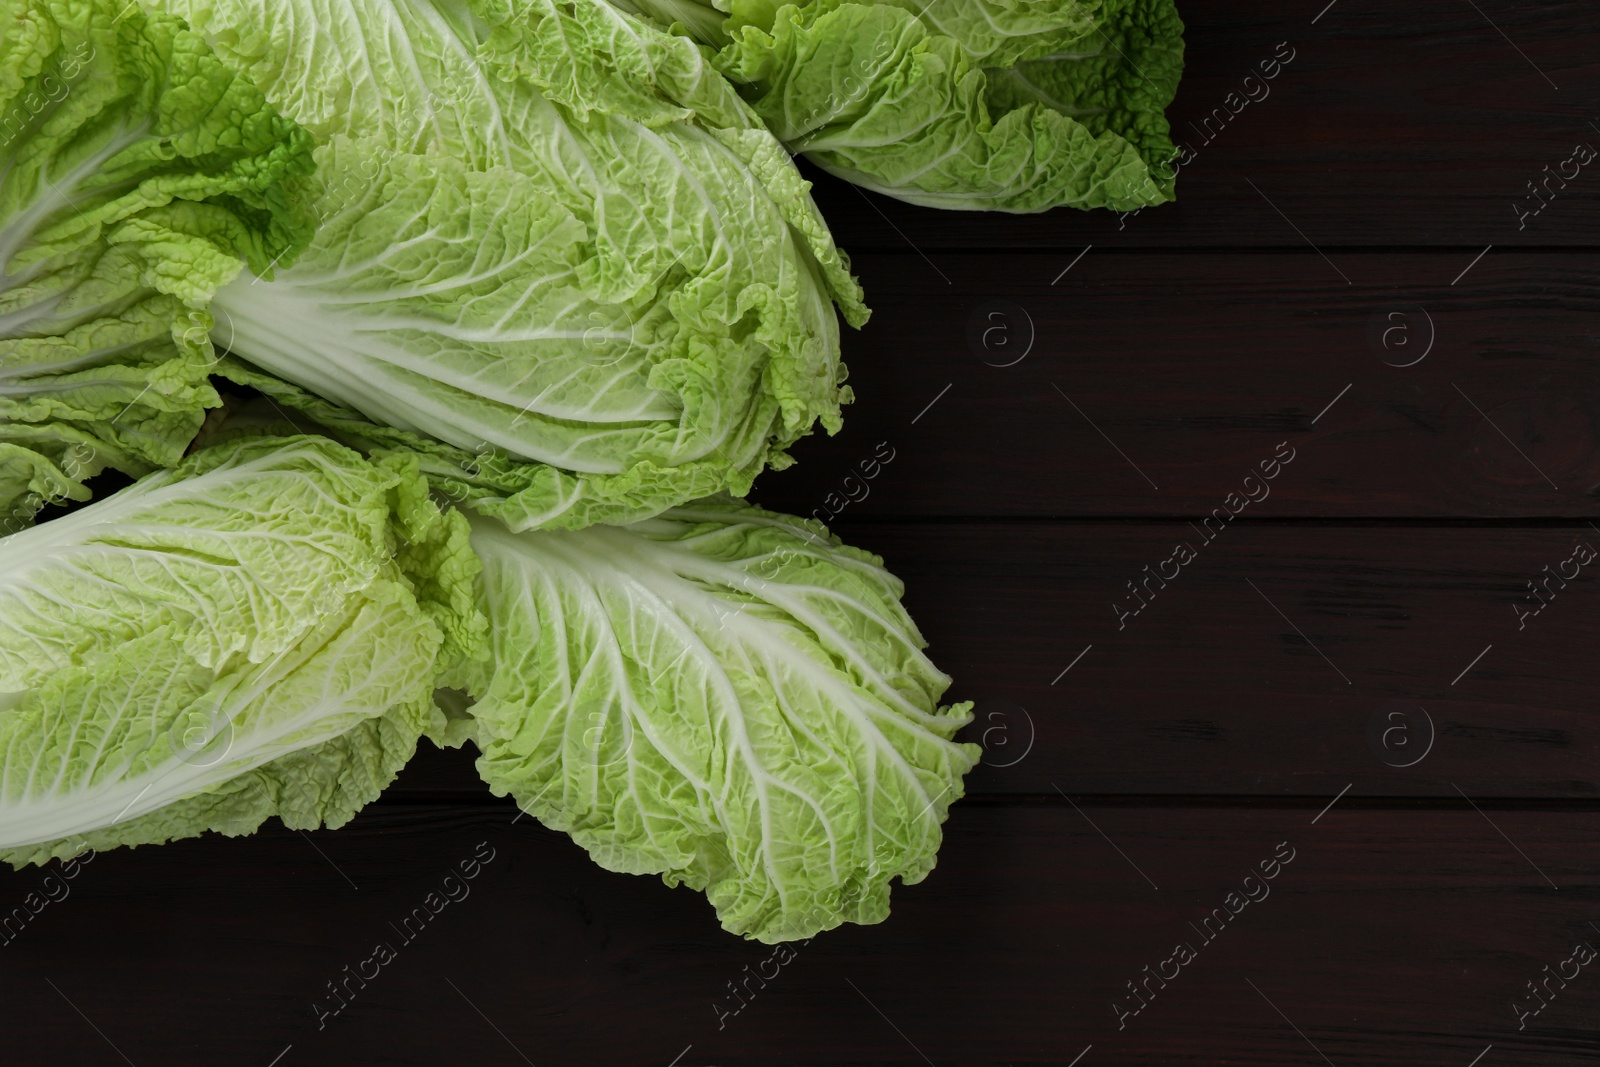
[(1210, 690), (1409, 123), (1265, 664), (1374, 940), (1153, 384)]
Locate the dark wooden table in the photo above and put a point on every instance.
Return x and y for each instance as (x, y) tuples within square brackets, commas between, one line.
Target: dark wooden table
[(1344, 674)]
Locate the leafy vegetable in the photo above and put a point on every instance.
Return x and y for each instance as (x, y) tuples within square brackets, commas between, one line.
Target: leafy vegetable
[(549, 235), (255, 632), (536, 258), (137, 175), (1002, 105), (724, 696), (28, 481)]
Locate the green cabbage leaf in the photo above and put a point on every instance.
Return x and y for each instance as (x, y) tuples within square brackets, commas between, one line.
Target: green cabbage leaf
[(999, 105), (258, 631), (549, 235), (138, 174), (723, 696)]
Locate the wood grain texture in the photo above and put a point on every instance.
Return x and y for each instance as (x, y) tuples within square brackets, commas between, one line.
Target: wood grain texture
[(1404, 123), (1147, 384), (1398, 936)]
